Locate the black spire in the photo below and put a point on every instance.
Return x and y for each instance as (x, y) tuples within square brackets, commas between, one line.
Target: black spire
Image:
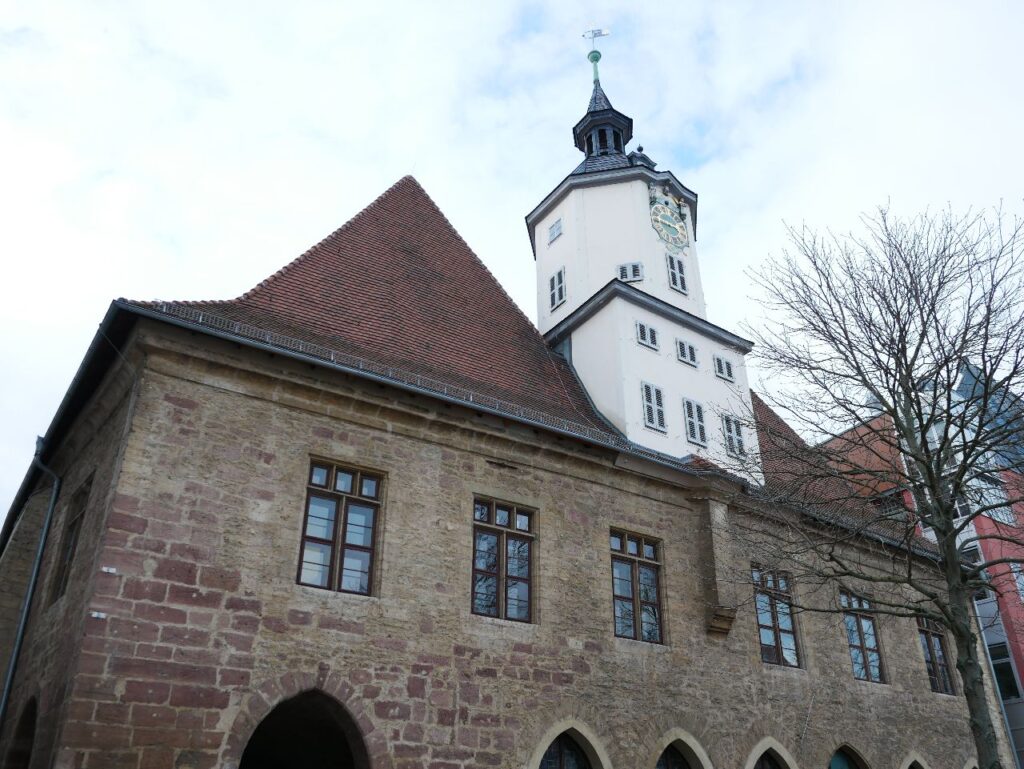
[(603, 130)]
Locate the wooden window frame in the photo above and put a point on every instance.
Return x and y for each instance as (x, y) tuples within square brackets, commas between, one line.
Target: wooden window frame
[(556, 288), (933, 639), (635, 562), (699, 437), (857, 609), (733, 432), (766, 583), (501, 575), (72, 534), (338, 543)]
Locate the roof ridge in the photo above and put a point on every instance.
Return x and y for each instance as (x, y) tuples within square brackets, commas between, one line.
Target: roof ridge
[(407, 179)]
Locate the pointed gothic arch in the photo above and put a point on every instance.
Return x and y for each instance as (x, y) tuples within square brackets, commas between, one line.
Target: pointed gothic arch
[(769, 754), (19, 754), (914, 761), (582, 737), (846, 757), (687, 746), (310, 729)]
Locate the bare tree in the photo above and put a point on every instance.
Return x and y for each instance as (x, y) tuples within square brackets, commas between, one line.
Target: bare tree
[(899, 356)]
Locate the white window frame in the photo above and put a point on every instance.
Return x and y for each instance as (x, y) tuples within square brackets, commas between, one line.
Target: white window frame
[(676, 273), (724, 369), (556, 288), (733, 431), (554, 230), (653, 407), (699, 434), (1018, 578), (630, 272), (686, 352), (647, 335)]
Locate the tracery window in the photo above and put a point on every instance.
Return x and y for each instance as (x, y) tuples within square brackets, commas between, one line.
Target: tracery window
[(672, 759), (564, 753)]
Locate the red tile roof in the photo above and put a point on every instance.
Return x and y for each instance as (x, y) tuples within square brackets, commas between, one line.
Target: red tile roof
[(398, 286)]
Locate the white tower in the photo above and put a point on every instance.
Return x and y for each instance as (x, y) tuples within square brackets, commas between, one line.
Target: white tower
[(619, 294)]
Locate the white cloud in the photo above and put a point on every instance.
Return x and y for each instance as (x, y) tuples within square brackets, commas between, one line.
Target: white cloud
[(187, 150)]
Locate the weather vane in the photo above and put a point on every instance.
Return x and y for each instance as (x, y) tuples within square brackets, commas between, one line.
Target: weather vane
[(595, 55)]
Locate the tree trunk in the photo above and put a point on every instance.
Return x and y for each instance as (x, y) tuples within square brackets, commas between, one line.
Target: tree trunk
[(972, 674)]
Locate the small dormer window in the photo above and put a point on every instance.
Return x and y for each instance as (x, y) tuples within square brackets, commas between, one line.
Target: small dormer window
[(723, 369), (631, 272), (554, 230), (646, 335)]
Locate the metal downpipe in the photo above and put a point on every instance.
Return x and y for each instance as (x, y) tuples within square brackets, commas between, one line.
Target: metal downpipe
[(19, 636)]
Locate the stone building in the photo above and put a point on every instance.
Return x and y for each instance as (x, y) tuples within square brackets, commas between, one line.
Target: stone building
[(365, 515)]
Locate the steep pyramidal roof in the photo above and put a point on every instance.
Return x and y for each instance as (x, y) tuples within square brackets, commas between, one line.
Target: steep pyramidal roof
[(398, 286), (598, 99)]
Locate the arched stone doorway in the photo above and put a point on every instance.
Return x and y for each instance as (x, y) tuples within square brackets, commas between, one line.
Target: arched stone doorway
[(564, 753), (311, 730), (19, 755)]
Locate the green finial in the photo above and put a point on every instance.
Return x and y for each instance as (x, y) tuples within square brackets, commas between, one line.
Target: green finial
[(594, 57)]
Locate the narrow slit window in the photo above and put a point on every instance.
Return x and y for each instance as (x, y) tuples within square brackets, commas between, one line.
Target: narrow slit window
[(556, 287), (686, 352), (72, 532), (696, 432), (676, 273), (654, 407)]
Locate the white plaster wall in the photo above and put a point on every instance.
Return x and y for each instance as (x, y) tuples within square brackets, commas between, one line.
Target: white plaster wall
[(612, 366), (603, 227)]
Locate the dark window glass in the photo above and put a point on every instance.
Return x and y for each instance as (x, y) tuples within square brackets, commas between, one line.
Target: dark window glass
[(564, 753), (636, 602), (775, 623), (862, 637), (602, 139), (338, 533), (1005, 677), (767, 761), (72, 531), (933, 646), (502, 563), (618, 140), (590, 144), (672, 759)]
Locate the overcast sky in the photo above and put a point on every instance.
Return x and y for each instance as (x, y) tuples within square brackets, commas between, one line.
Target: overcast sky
[(186, 150)]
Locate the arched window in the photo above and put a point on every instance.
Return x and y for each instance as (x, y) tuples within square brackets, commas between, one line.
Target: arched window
[(19, 755), (672, 759), (311, 730), (564, 753), (845, 759), (767, 761)]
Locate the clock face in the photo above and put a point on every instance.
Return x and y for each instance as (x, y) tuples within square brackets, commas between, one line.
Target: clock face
[(669, 225)]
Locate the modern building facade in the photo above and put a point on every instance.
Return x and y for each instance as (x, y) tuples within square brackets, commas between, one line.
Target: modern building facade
[(367, 515)]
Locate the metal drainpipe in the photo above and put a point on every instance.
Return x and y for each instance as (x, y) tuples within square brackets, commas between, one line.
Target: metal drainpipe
[(33, 579)]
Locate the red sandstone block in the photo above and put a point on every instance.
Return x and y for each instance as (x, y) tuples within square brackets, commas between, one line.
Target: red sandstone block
[(228, 677), (195, 656), (107, 584), (108, 759), (246, 624), (238, 641), (157, 757), (276, 624), (81, 710), (197, 553), (105, 736), (147, 544), (99, 688), (409, 751), (159, 613), (112, 712), (153, 715), (413, 733), (392, 710), (172, 738), (562, 679), (243, 661), (91, 664), (153, 651), (482, 758), (182, 403), (416, 687), (126, 522), (167, 530), (344, 626), (191, 596), (183, 636), (144, 590), (221, 579), (133, 629), (199, 697), (125, 504), (174, 570), (157, 670), (296, 617), (446, 717), (234, 603), (125, 561)]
